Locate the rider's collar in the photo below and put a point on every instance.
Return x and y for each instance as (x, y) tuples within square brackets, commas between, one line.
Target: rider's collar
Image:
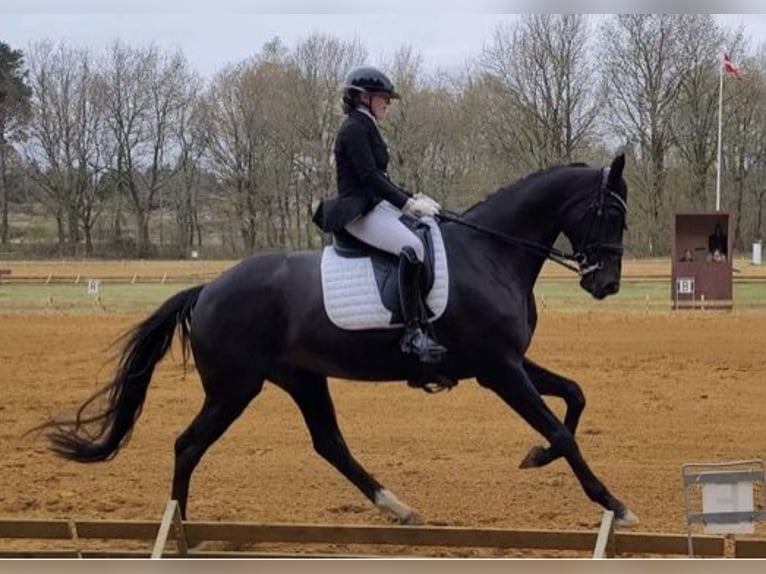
[(366, 111)]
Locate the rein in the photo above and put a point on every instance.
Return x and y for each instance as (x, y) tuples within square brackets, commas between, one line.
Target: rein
[(572, 261), (578, 261)]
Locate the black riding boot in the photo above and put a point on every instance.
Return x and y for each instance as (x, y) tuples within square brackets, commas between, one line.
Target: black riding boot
[(416, 339)]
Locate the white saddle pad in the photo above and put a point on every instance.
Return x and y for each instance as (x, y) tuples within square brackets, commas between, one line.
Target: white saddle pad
[(351, 297)]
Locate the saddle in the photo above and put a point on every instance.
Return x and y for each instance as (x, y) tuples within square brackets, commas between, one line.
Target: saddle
[(360, 286), (386, 265)]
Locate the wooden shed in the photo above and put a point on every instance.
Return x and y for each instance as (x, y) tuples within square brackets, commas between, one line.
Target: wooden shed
[(701, 270)]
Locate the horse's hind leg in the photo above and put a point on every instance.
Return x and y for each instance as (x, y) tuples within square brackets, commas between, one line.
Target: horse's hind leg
[(550, 384), (312, 395), (215, 416)]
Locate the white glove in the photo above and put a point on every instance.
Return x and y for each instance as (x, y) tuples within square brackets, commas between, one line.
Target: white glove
[(428, 198), (421, 206)]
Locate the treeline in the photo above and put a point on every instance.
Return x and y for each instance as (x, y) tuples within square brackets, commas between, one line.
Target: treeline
[(129, 152)]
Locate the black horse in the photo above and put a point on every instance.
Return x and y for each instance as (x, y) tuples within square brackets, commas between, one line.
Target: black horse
[(264, 319)]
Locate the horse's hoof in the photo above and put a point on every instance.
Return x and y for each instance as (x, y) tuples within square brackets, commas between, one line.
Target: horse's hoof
[(532, 460), (628, 519), (412, 519), (194, 544)]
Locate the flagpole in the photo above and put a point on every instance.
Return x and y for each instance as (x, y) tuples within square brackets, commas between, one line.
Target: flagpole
[(720, 121)]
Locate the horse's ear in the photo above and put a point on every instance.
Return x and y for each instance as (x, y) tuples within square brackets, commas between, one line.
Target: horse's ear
[(615, 170)]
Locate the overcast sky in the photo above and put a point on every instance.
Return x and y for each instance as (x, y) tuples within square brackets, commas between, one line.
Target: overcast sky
[(213, 33)]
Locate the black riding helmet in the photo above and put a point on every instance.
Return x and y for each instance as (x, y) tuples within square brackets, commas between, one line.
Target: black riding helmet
[(365, 79)]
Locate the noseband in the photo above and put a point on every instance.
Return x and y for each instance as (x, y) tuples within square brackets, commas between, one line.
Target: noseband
[(581, 261)]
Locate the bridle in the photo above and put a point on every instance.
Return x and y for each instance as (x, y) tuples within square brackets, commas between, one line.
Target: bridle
[(582, 260), (604, 199)]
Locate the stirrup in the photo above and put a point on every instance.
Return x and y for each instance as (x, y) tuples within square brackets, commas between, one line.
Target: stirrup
[(417, 342), (433, 383)]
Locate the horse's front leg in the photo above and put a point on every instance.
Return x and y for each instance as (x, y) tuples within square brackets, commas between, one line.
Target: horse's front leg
[(512, 384), (549, 383)]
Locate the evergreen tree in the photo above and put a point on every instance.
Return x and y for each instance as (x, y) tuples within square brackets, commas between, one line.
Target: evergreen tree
[(14, 112)]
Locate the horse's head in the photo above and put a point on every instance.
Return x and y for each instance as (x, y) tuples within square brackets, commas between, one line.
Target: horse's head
[(595, 226)]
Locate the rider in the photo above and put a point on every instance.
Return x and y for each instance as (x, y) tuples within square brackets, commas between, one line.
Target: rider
[(368, 204)]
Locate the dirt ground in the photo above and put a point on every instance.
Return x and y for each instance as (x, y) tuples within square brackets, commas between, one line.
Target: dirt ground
[(662, 389)]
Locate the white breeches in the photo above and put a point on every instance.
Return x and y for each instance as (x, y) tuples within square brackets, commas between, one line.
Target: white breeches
[(382, 229)]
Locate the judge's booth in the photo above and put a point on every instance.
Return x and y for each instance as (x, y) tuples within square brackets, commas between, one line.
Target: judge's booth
[(701, 270)]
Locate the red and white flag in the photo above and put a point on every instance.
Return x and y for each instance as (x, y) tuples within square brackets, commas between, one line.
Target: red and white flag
[(729, 67)]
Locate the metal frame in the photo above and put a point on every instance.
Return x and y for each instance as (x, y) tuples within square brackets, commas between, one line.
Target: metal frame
[(697, 474)]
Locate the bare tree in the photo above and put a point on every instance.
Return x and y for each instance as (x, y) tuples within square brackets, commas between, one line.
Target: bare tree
[(271, 124), (480, 149), (403, 122), (757, 225), (273, 81), (143, 93), (545, 86), (234, 145), (644, 70), (190, 138), (64, 150), (321, 63), (428, 135)]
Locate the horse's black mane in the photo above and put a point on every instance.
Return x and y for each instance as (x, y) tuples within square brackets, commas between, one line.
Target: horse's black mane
[(523, 182)]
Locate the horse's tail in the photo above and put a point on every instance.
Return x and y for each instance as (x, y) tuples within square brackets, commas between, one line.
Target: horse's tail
[(98, 437)]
